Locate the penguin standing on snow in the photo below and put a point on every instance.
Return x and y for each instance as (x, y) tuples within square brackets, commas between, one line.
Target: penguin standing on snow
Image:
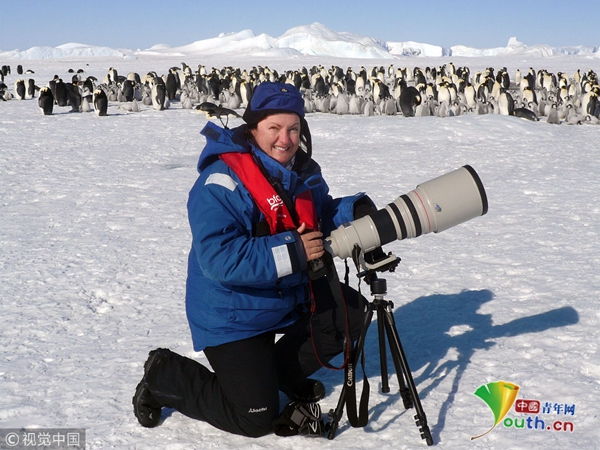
[(30, 88), (100, 103), (128, 89), (158, 97), (553, 116), (20, 89), (245, 93), (46, 101), (85, 105), (88, 88), (171, 86), (74, 97), (410, 98), (61, 93), (506, 104)]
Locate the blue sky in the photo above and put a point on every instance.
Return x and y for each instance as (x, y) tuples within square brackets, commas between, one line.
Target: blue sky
[(142, 24)]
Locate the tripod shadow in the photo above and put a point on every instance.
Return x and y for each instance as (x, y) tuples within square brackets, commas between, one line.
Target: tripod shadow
[(430, 327)]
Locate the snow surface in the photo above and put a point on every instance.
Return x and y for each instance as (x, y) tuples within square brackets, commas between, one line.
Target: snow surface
[(94, 241)]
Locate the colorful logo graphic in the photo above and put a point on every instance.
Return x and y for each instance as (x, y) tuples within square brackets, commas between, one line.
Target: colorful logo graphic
[(499, 396)]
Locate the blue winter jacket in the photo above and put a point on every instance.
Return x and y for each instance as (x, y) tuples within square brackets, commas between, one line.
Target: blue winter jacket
[(239, 285)]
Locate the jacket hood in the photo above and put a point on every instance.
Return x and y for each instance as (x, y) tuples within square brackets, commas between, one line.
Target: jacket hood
[(220, 140)]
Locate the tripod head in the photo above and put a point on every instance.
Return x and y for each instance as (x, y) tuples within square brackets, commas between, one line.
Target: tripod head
[(368, 264)]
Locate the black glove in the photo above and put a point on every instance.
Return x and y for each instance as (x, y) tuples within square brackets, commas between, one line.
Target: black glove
[(300, 419), (363, 207)]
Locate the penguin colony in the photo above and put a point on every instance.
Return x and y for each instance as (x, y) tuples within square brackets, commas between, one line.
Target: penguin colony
[(444, 91)]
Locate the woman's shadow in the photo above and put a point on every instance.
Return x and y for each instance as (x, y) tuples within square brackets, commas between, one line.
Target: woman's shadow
[(429, 327)]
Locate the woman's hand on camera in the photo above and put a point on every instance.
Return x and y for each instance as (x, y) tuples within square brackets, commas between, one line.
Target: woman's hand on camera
[(312, 241)]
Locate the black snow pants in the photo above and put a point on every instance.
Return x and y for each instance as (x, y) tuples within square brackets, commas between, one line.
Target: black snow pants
[(241, 396)]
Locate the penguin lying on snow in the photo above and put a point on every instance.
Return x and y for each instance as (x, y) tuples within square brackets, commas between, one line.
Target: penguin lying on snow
[(525, 113)]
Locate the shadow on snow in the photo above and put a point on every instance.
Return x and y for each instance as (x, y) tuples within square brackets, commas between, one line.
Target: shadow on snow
[(429, 327)]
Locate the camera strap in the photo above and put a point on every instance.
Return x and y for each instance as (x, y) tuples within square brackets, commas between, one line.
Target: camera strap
[(341, 321), (361, 418)]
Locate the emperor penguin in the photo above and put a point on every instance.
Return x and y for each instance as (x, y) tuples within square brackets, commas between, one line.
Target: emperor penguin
[(112, 75), (127, 88), (85, 105), (246, 92), (89, 87), (354, 104), (470, 96), (19, 86), (525, 113), (186, 101), (158, 97), (506, 104), (30, 88), (529, 96), (135, 77), (443, 94), (553, 116), (61, 93), (497, 89), (368, 108), (410, 98), (171, 85), (74, 97), (46, 101), (588, 101), (389, 107), (100, 103)]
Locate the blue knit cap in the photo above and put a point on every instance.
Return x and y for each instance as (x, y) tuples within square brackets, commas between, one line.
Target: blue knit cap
[(271, 98)]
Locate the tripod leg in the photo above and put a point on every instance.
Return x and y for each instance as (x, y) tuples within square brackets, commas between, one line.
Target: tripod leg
[(401, 362), (385, 386), (389, 329)]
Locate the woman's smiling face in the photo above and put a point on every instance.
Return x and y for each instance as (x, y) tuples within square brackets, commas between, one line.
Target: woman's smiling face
[(278, 135)]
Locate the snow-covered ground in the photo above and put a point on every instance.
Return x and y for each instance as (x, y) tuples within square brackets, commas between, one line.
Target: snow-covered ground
[(94, 241)]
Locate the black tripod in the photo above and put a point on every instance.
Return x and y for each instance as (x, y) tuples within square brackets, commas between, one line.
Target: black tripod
[(386, 326)]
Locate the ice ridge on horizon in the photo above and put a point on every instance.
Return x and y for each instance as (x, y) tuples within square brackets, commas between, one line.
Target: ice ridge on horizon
[(313, 40)]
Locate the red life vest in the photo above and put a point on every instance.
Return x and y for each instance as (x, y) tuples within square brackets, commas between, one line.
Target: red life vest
[(279, 219), (266, 198)]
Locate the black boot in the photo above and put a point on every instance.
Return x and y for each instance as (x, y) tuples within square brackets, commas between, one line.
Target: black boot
[(145, 407), (308, 391)]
